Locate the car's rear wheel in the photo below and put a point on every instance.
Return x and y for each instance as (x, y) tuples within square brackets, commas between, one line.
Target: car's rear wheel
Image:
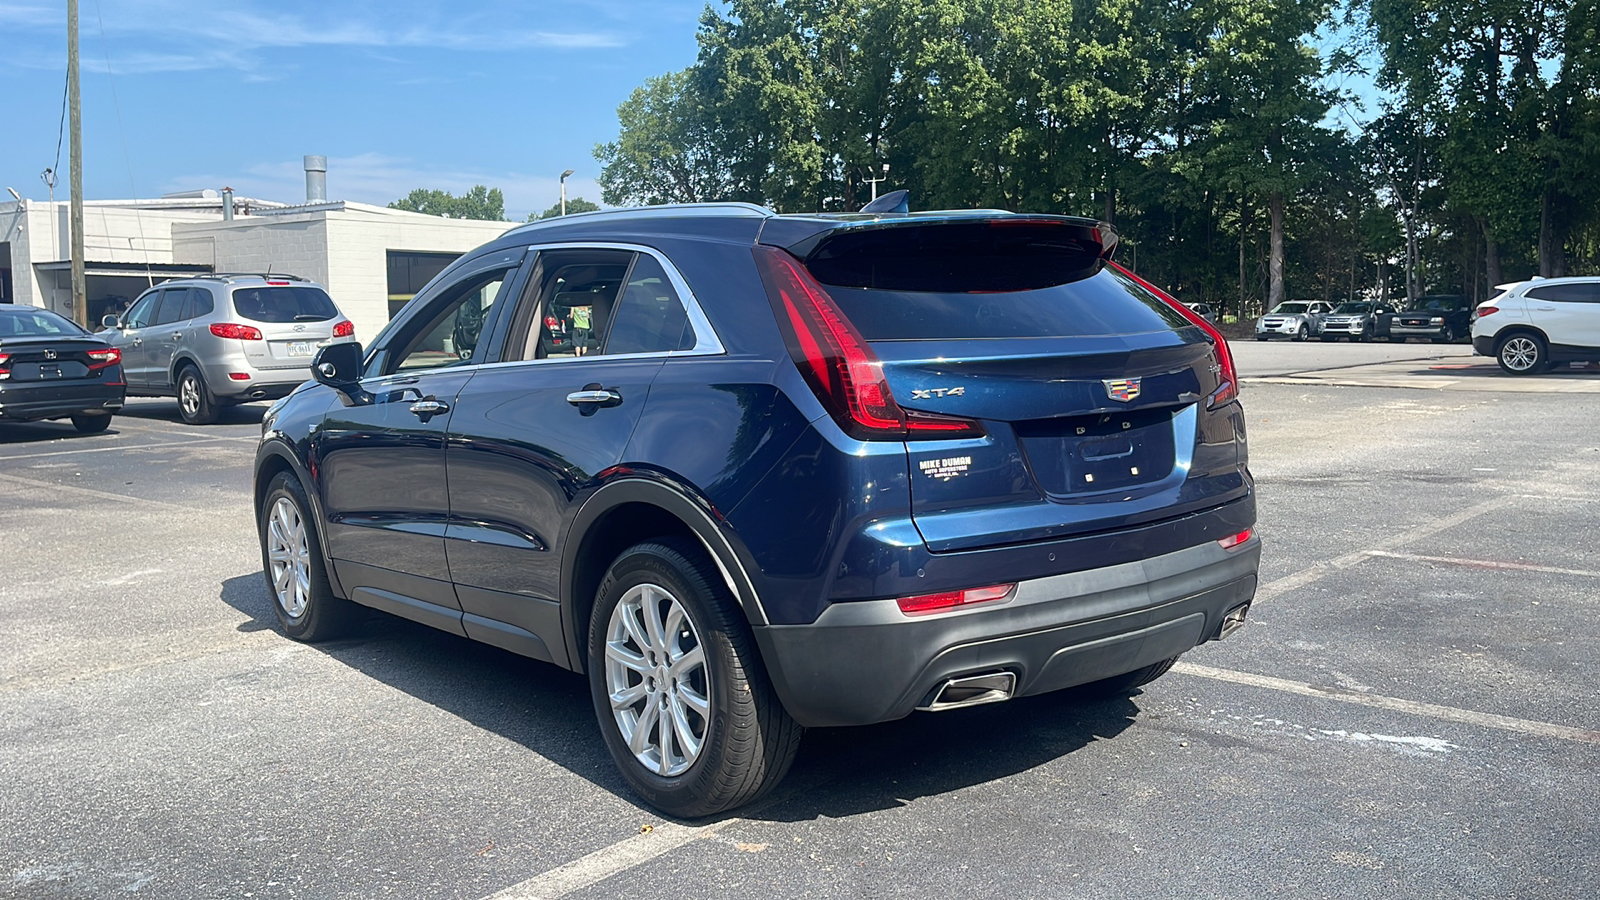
[(1121, 685), (683, 700), (91, 423), (297, 575), (195, 402), (1522, 354)]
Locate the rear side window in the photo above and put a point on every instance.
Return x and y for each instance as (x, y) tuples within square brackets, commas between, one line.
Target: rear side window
[(200, 302), (284, 304), (172, 306), (1567, 293), (649, 317), (1107, 303)]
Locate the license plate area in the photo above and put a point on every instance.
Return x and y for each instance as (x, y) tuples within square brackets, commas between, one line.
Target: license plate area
[(297, 349), (1108, 451)]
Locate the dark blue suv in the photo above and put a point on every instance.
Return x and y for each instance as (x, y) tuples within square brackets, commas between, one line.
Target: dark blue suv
[(805, 470)]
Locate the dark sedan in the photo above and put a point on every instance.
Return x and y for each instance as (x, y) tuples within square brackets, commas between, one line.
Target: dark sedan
[(52, 369)]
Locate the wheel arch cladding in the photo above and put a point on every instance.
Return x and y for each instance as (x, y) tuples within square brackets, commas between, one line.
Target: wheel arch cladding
[(627, 513)]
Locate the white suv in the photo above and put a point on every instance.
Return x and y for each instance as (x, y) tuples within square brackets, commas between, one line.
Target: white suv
[(1533, 325)]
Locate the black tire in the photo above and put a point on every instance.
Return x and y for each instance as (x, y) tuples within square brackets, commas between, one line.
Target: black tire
[(1447, 336), (1522, 353), (324, 615), (1261, 337), (196, 404), (748, 740), (1396, 339), (91, 423), (1122, 685), (1303, 334)]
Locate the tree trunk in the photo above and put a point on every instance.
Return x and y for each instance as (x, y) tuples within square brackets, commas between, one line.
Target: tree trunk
[(1275, 263), (1491, 258), (1244, 222), (1552, 253)]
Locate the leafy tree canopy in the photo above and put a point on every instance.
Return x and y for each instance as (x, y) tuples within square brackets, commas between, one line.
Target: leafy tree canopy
[(479, 203)]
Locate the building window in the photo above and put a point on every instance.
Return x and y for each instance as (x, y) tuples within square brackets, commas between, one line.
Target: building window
[(409, 271)]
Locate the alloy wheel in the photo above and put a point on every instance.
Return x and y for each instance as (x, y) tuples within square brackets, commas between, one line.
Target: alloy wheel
[(1519, 353), (289, 555), (189, 395), (656, 678)]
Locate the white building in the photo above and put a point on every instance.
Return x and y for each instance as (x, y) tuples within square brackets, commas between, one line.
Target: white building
[(370, 258)]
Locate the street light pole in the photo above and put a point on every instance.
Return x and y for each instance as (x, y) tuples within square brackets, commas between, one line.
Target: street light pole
[(877, 181), (80, 288), (564, 176)]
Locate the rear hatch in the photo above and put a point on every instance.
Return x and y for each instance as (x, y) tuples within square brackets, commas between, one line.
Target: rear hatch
[(294, 321), (1093, 403)]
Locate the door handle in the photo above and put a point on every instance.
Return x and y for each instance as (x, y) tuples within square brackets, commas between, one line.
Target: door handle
[(427, 408), (177, 335), (1545, 308), (138, 341), (596, 395)]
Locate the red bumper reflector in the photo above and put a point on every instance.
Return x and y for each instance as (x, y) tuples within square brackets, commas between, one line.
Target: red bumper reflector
[(239, 376), (931, 603), (1234, 540)]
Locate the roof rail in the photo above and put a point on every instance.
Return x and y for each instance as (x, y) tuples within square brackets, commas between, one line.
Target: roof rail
[(748, 210), (264, 276)]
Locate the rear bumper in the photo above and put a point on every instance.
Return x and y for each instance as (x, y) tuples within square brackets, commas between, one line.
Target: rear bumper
[(1483, 345), (865, 661), (46, 400)]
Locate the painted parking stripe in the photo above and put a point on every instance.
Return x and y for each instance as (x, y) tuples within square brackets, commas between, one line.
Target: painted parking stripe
[(99, 495), (1426, 530), (1481, 563), (123, 447), (608, 861), (1378, 701)]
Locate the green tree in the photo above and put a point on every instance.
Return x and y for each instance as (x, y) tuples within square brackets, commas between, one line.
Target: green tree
[(574, 205), (479, 203), (668, 149)]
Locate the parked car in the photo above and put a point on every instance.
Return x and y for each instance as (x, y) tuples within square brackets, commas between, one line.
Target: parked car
[(1441, 318), (1294, 319), (1531, 326), (217, 340), (806, 478), (1203, 310), (52, 369), (1354, 320)]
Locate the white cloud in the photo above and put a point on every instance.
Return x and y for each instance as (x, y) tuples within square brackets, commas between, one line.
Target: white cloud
[(379, 179)]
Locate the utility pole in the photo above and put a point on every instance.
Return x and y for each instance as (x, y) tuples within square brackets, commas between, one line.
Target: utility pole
[(80, 288)]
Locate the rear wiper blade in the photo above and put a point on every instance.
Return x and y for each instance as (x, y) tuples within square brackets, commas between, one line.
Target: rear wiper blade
[(309, 317)]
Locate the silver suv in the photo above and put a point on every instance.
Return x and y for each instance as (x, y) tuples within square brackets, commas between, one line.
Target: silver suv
[(216, 340)]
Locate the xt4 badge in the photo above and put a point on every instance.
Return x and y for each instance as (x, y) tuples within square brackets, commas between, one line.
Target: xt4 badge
[(1123, 389), (930, 393)]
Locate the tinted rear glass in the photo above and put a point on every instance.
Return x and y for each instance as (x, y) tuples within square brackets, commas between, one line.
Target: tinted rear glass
[(36, 323), (1107, 303), (284, 304)]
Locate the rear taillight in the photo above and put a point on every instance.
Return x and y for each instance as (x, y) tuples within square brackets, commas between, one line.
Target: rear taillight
[(100, 359), (1227, 377), (836, 361), (1487, 311), (344, 329), (5, 366), (1234, 540), (932, 603), (233, 330)]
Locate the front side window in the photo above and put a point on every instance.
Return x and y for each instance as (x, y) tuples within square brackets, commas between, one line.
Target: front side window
[(143, 311), (450, 336)]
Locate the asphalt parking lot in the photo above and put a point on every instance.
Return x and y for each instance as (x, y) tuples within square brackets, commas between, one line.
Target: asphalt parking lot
[(1411, 712)]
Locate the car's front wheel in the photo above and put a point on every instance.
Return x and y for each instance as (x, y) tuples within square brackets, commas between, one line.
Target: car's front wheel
[(1522, 354), (195, 402), (297, 575), (1303, 333), (686, 707)]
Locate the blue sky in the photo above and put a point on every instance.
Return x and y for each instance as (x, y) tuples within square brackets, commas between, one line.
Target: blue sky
[(189, 94)]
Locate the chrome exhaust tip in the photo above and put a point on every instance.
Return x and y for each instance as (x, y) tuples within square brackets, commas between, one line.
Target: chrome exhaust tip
[(1233, 620), (972, 690)]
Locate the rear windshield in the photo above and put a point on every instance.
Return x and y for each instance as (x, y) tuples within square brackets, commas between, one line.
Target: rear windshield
[(36, 323), (284, 304), (1106, 303)]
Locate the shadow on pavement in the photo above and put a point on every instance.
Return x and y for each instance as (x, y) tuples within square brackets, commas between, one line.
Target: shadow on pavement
[(163, 410), (839, 772)]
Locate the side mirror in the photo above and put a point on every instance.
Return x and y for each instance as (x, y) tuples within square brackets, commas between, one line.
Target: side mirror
[(339, 366), (110, 321)]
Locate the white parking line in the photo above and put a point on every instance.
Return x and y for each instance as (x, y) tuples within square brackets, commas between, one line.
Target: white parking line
[(1378, 701), (100, 495), (608, 861), (160, 446), (1323, 569), (1481, 563)]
